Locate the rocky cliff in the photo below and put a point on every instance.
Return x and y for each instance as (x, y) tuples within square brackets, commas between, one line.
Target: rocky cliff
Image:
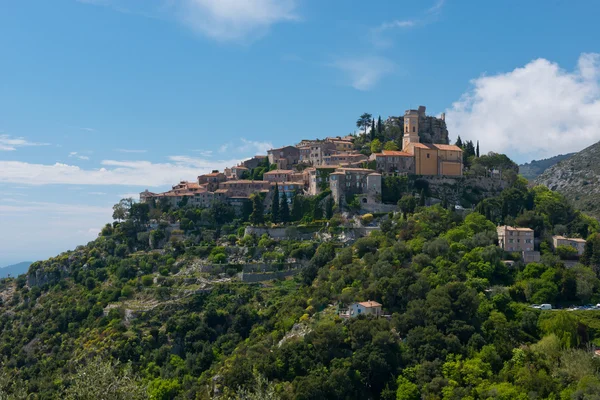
[(431, 129), (578, 178)]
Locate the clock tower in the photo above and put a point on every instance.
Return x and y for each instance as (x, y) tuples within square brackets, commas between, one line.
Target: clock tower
[(411, 129)]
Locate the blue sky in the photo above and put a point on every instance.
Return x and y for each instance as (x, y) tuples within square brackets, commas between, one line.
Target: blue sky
[(104, 98)]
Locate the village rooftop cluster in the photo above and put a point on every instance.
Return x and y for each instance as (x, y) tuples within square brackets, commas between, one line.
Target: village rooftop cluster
[(313, 166)]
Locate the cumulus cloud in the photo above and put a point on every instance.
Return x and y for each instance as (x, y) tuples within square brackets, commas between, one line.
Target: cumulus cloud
[(10, 143), (112, 172), (364, 73), (532, 112)]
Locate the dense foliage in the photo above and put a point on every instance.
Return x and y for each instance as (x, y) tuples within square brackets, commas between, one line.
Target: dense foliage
[(135, 313)]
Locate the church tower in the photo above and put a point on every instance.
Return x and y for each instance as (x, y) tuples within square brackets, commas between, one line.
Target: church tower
[(411, 129)]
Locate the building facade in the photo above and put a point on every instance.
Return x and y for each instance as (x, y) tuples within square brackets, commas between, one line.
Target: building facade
[(511, 239), (284, 157), (576, 243), (394, 162)]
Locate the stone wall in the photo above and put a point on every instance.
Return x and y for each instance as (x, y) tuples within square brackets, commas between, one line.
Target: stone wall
[(269, 276), (281, 233)]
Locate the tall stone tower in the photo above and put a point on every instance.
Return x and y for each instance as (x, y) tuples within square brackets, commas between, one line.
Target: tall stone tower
[(411, 128)]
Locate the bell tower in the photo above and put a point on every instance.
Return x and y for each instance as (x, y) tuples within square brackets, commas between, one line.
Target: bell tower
[(411, 128)]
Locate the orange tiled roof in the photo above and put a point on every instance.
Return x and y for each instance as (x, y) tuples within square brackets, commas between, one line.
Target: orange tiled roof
[(279, 171), (395, 153), (370, 304)]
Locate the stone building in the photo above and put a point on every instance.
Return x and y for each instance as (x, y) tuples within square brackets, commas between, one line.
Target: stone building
[(254, 162), (345, 182), (238, 171), (348, 159), (243, 188), (390, 162), (429, 158), (313, 153), (511, 239), (284, 157), (212, 180), (576, 243), (278, 175)]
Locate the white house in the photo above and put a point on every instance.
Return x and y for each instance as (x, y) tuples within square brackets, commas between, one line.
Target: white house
[(363, 308)]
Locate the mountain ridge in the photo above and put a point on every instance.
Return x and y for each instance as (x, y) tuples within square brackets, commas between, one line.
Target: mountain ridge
[(577, 178), (535, 168)]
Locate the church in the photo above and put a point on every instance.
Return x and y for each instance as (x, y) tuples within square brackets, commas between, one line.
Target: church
[(419, 158)]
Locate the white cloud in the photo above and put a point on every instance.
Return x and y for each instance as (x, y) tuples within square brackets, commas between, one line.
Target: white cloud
[(408, 23), (532, 112), (97, 193), (365, 72), (10, 143), (437, 7), (222, 20), (227, 20), (245, 146), (79, 156), (130, 151), (129, 173)]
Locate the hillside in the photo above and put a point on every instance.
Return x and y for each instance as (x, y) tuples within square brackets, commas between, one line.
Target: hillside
[(159, 311), (535, 168), (15, 269), (578, 179)]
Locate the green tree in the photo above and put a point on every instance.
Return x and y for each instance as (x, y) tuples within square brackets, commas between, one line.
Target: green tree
[(163, 389), (373, 129), (376, 146), (379, 125), (459, 142), (390, 145), (98, 379), (121, 209), (407, 390), (317, 211), (284, 209), (257, 216), (423, 198), (275, 217), (477, 149), (407, 204), (364, 121)]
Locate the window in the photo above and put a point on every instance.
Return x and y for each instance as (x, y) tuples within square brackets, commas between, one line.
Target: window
[(427, 155), (413, 128), (510, 240)]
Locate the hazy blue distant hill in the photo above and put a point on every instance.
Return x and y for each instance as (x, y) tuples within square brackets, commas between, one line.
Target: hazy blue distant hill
[(15, 269), (537, 167)]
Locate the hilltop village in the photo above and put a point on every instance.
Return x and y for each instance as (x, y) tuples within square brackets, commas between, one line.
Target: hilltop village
[(339, 164)]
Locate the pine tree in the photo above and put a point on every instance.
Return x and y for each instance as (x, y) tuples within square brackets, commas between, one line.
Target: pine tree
[(477, 150), (469, 148), (329, 208), (257, 217), (459, 142), (284, 209), (275, 205)]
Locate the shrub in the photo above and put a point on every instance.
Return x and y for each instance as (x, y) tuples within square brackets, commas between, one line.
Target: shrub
[(147, 280)]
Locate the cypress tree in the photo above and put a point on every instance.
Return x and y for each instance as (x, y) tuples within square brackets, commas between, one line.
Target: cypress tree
[(275, 204), (296, 207), (329, 208), (284, 209), (317, 211), (477, 150), (373, 129), (257, 217), (379, 125), (423, 198), (459, 142)]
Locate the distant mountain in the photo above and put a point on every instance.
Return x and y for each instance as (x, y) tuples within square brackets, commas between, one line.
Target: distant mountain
[(578, 178), (535, 168), (15, 269)]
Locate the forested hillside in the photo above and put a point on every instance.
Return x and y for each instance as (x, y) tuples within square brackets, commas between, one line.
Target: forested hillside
[(156, 311)]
